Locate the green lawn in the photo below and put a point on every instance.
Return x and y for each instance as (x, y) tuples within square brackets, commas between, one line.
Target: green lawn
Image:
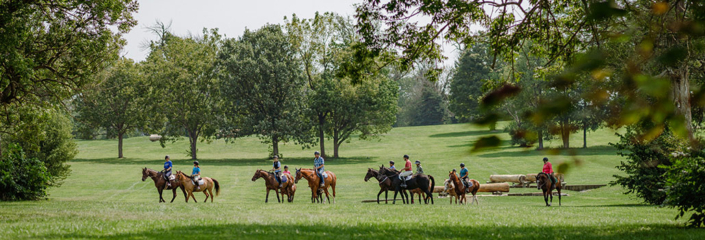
[(105, 197)]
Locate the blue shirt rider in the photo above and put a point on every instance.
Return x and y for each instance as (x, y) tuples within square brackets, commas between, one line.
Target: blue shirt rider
[(318, 163), (196, 174), (391, 166), (167, 170), (464, 177), (276, 166)]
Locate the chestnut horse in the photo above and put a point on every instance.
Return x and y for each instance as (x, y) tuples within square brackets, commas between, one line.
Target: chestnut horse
[(460, 188), (208, 185), (314, 182), (271, 183), (449, 187), (544, 183), (160, 183), (385, 184)]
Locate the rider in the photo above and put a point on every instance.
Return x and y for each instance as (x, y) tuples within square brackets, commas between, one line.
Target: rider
[(196, 174), (406, 172), (548, 170), (319, 167), (391, 166), (276, 167), (419, 170), (167, 170), (464, 177), (286, 170)]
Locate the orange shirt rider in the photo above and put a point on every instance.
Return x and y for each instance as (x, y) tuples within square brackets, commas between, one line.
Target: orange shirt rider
[(407, 170)]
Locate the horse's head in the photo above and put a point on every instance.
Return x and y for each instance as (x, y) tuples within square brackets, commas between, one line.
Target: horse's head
[(447, 186), (298, 175), (145, 174), (180, 175), (383, 170), (258, 174), (370, 173), (452, 176)]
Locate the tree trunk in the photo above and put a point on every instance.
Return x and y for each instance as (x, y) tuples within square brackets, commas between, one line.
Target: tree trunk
[(321, 134), (193, 137), (275, 146), (540, 140), (565, 134), (336, 143), (584, 135), (120, 135), (681, 97)]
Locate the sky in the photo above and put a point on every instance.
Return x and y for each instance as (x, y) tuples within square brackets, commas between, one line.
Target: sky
[(231, 17)]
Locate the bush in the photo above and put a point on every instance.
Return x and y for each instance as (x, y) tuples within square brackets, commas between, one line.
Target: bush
[(644, 176), (21, 178), (684, 188)]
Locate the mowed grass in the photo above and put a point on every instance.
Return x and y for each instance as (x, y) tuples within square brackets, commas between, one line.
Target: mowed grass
[(105, 197)]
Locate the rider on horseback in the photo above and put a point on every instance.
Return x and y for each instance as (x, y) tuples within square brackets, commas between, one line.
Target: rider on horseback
[(391, 166), (318, 164), (276, 167), (167, 170), (419, 170), (548, 170), (464, 177), (406, 172), (196, 174), (286, 170)]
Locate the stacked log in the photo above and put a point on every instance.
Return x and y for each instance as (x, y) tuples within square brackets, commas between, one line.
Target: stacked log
[(494, 187), (517, 178)]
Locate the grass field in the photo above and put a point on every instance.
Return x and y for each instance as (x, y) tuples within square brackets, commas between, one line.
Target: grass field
[(105, 197)]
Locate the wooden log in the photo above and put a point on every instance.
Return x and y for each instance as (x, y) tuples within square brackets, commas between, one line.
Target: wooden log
[(438, 189), (530, 177), (494, 187), (534, 194), (517, 178)]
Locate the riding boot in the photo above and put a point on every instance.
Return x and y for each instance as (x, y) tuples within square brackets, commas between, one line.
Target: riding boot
[(323, 183), (403, 183)]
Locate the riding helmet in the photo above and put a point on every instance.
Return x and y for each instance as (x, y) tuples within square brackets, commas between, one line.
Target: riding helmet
[(285, 166), (462, 165), (275, 157), (418, 162), (316, 153), (391, 162), (545, 159), (195, 162), (454, 170), (406, 156)]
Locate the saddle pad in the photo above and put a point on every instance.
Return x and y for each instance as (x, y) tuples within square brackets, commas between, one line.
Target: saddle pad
[(172, 177), (201, 182), (284, 179), (407, 177)]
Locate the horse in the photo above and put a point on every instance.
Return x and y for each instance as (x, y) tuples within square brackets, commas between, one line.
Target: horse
[(389, 173), (420, 192), (449, 187), (314, 182), (460, 188), (544, 183), (209, 183), (385, 184), (417, 181), (271, 183), (160, 183)]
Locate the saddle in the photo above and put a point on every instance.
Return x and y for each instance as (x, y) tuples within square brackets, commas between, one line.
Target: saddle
[(407, 177)]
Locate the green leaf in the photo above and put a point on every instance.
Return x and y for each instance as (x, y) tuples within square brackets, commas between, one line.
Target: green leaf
[(486, 143)]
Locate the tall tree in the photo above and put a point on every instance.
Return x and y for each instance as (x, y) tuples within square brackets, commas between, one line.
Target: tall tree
[(184, 87), (471, 69), (117, 103), (265, 84)]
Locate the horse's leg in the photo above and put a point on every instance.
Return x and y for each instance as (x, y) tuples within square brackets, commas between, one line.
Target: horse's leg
[(194, 197), (210, 192), (545, 198), (173, 191), (327, 194), (266, 199), (550, 193), (386, 197), (429, 195), (394, 201), (276, 192), (559, 197), (380, 193)]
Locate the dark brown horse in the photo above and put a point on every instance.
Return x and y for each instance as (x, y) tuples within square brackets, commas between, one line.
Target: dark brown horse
[(544, 183), (160, 183), (420, 192), (385, 184), (417, 181), (208, 185), (314, 181), (271, 183), (460, 190)]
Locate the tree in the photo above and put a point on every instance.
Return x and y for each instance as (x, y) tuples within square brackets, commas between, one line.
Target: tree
[(184, 87), (264, 83), (117, 103), (50, 49), (471, 69)]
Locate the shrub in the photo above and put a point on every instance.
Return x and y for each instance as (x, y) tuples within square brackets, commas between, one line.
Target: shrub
[(21, 178), (684, 188)]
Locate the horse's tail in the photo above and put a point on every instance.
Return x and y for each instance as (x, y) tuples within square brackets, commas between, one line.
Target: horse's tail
[(433, 182), (217, 187)]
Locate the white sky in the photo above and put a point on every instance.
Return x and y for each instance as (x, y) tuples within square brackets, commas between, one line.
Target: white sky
[(231, 17)]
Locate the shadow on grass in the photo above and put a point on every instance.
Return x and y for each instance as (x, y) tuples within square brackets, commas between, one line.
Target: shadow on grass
[(395, 231), (462, 134), (614, 205), (292, 162), (523, 152)]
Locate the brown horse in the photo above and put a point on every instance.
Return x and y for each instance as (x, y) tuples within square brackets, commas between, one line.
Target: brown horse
[(420, 192), (160, 183), (544, 183), (271, 183), (208, 185), (449, 187), (385, 184), (460, 188), (422, 181), (314, 181)]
